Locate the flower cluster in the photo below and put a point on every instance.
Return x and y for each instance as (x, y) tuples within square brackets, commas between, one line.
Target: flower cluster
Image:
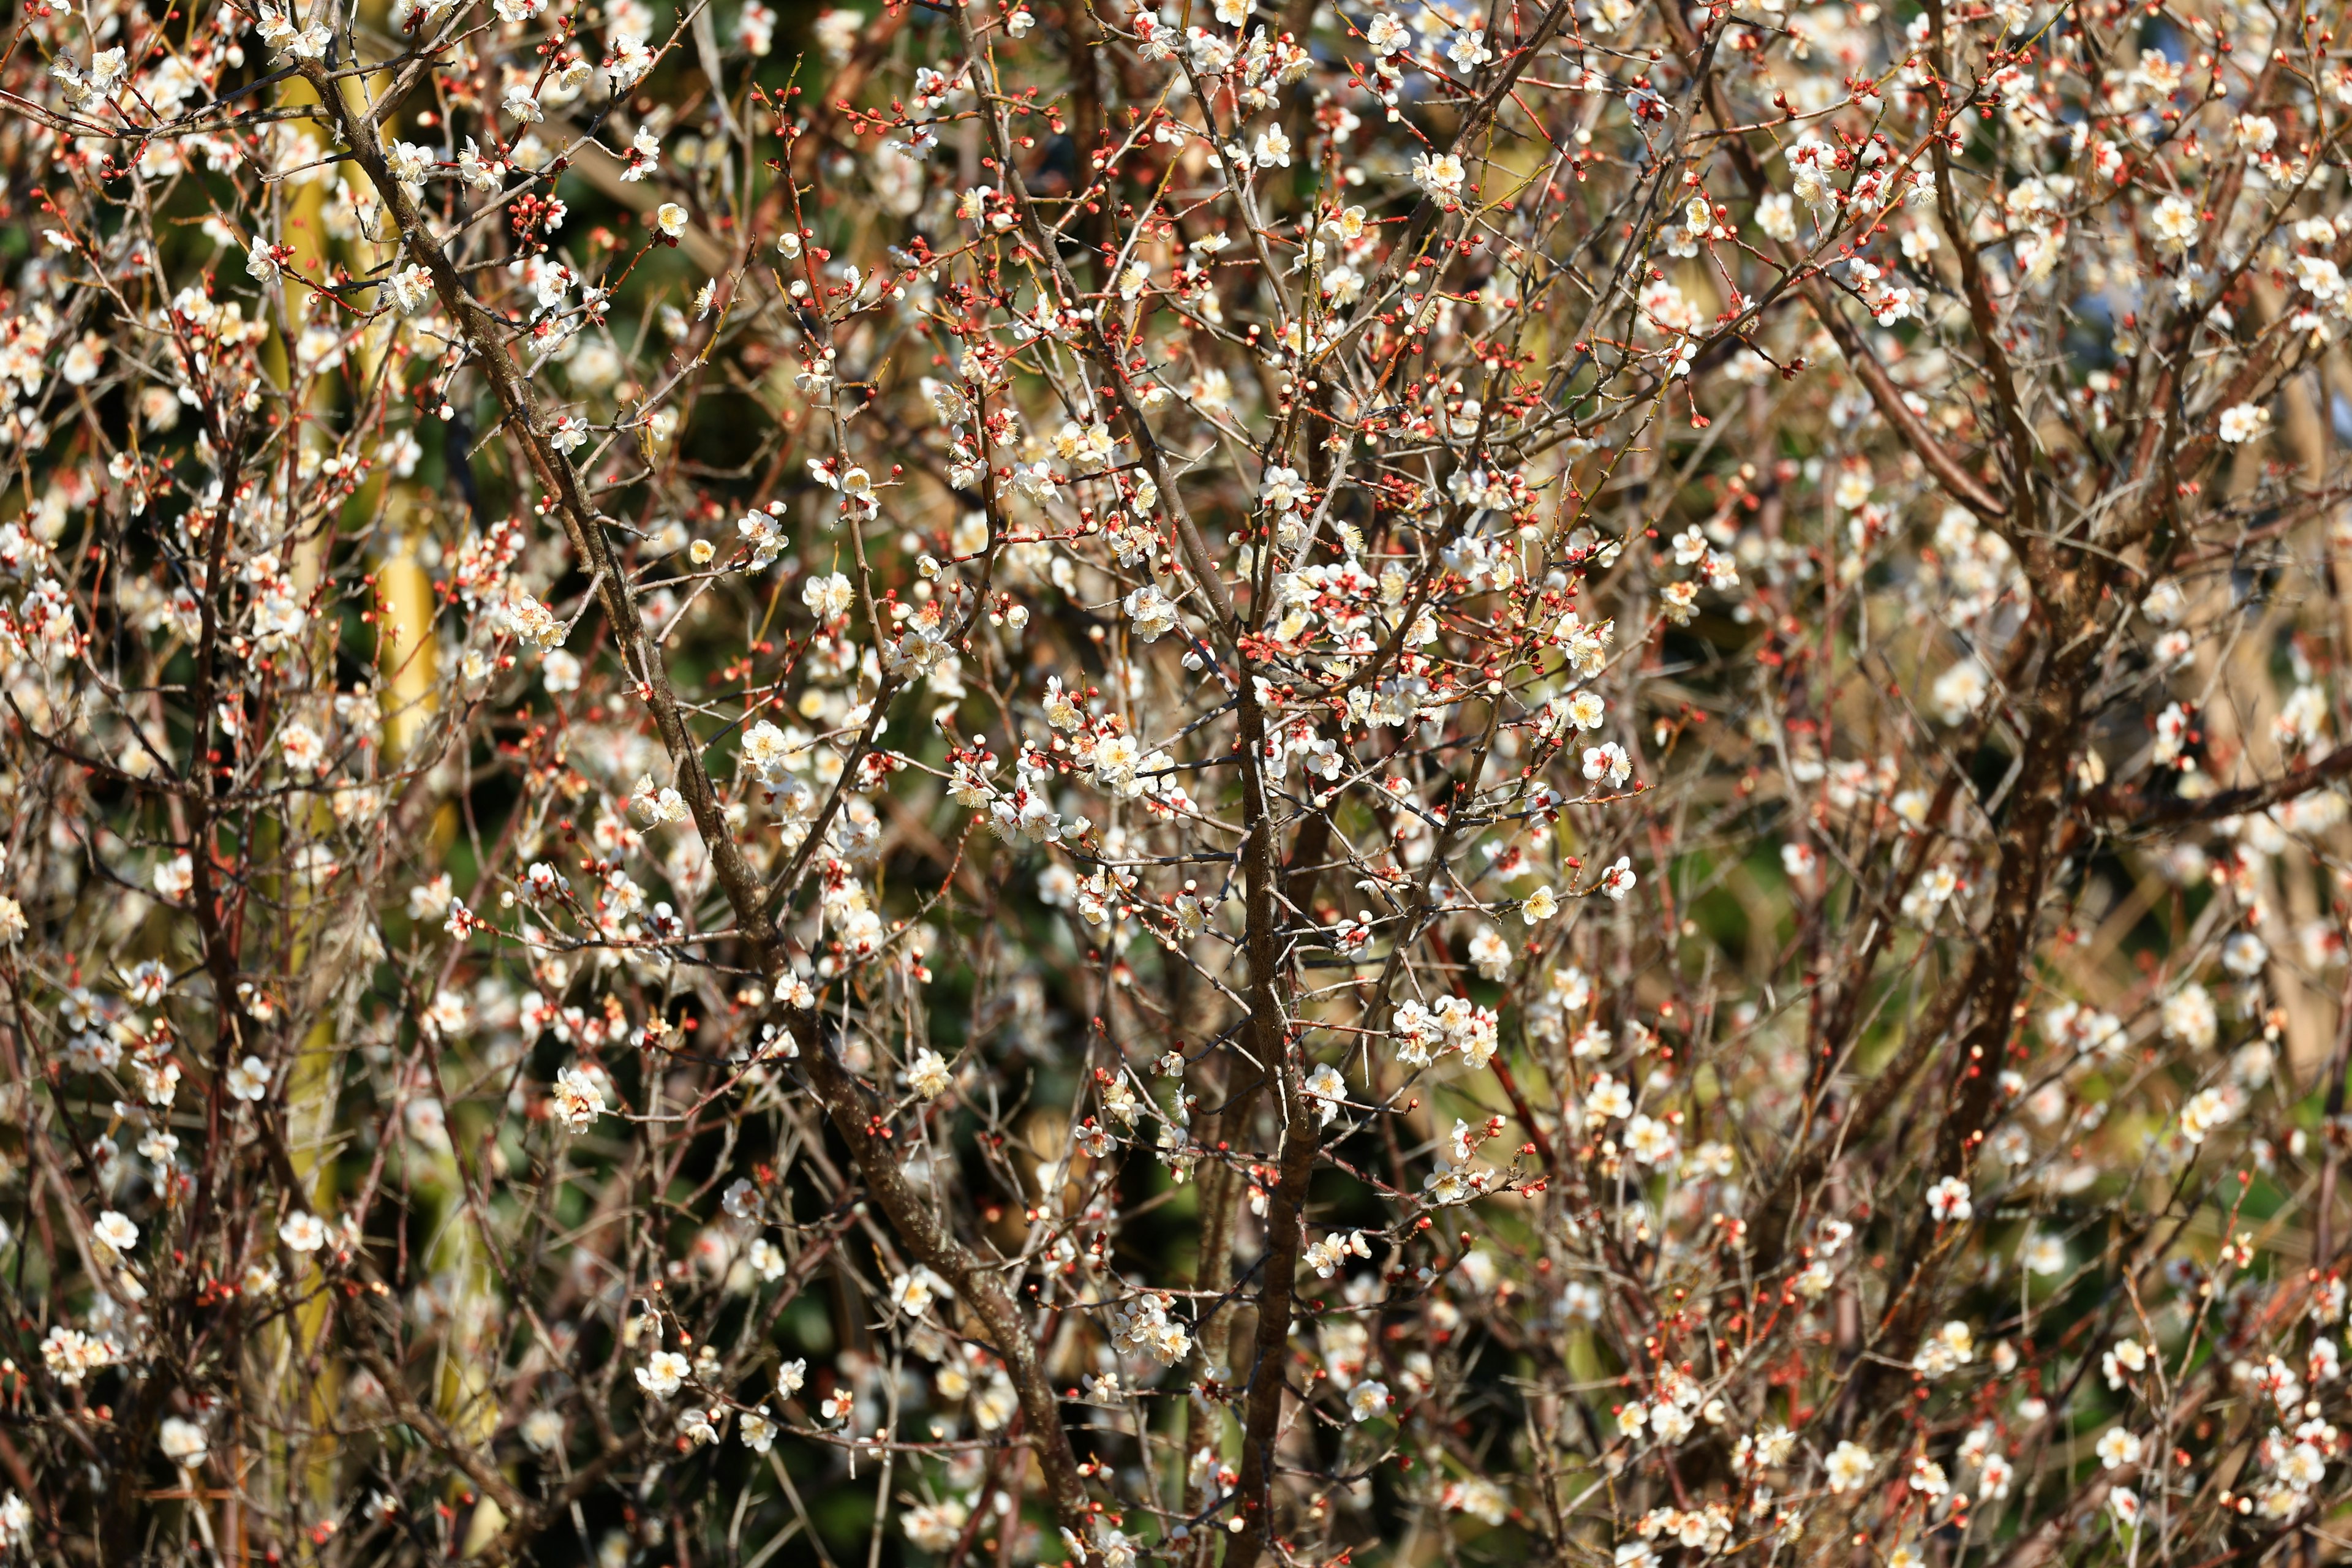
[(1318, 783)]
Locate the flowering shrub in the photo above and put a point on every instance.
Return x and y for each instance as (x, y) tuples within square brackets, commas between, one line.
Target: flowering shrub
[(1090, 784)]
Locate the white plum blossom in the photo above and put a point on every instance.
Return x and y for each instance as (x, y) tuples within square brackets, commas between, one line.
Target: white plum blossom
[(1949, 1201), (1848, 1467), (2243, 422), (664, 1373), (1441, 175), (182, 1442), (579, 1099), (2190, 1016), (303, 1232), (928, 1074)]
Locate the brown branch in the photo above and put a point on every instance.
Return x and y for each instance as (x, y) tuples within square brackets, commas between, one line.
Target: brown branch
[(2132, 809)]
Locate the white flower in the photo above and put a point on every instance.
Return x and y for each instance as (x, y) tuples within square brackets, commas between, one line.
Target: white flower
[(1848, 1467), (1326, 1087), (303, 1232), (1153, 613), (248, 1079), (935, 1526), (1607, 1098), (182, 1442), (82, 361), (914, 1291), (2118, 1448), (664, 1373), (2175, 221), (13, 924), (1951, 1346), (1281, 489), (304, 751), (1776, 214), (2304, 1466), (542, 1430), (1959, 691), (645, 153), (836, 33), (161, 1084), (629, 61), (1440, 176), (115, 1236), (755, 29), (429, 898), (1490, 953), (175, 878), (2165, 604), (2243, 422), (478, 173), (72, 1355), (928, 1074), (2188, 1016), (1368, 1399), (1949, 1201), (579, 1099), (1809, 177), (277, 30), (445, 1017), (1609, 762), (2320, 278), (1651, 1140), (1618, 880), (2205, 1110), (2171, 734), (828, 597), (700, 1425), (408, 162), (2244, 954), (670, 218)]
